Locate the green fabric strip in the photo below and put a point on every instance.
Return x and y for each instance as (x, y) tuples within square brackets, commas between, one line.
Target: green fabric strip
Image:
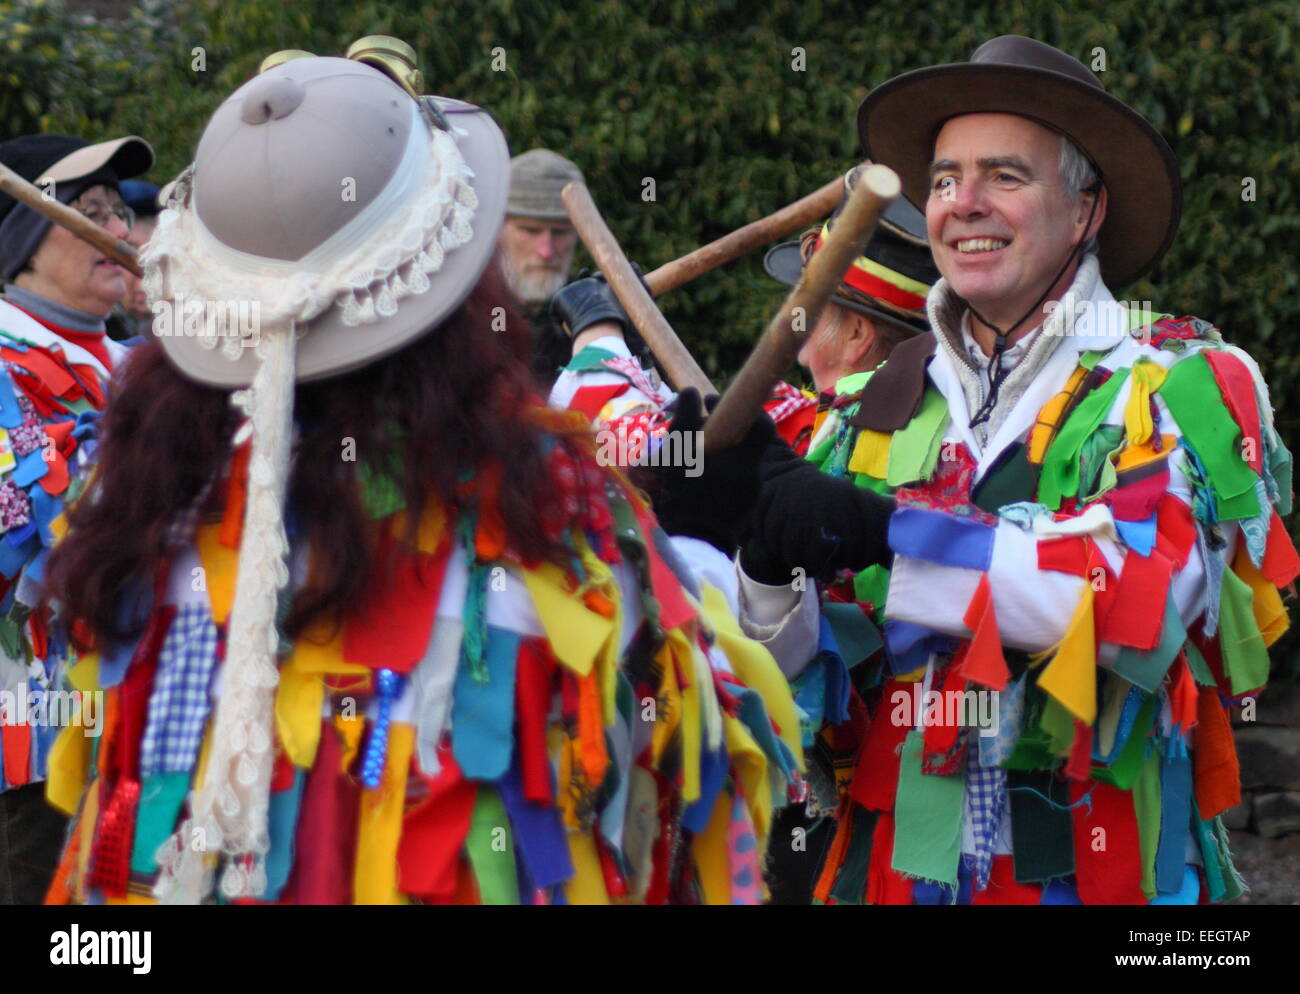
[(379, 493), (1058, 724), (851, 883), (1097, 472), (491, 849), (1199, 667), (1041, 826), (914, 450), (1209, 847), (1245, 657), (1233, 885), (161, 798), (1009, 481), (1124, 771), (1060, 474), (1146, 805), (1193, 396), (589, 358), (1279, 464), (854, 633), (1147, 669), (928, 813)]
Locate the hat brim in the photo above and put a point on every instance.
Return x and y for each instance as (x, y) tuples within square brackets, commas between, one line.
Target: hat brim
[(900, 119), (126, 157), (331, 348), (784, 263)]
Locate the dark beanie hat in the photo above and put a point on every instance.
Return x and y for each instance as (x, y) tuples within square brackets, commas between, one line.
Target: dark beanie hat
[(75, 165)]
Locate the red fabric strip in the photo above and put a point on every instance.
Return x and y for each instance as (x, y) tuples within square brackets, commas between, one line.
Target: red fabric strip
[(325, 840), (1138, 611), (1003, 887), (1138, 500), (392, 630), (434, 832), (1079, 765), (885, 885), (1063, 554), (875, 782), (1280, 564), (534, 672), (590, 400), (983, 661), (1238, 389), (16, 741), (1175, 530), (1107, 857)]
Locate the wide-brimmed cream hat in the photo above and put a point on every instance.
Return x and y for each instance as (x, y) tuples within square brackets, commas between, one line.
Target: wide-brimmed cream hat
[(323, 195)]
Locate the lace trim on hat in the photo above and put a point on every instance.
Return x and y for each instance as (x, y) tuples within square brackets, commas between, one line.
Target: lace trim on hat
[(386, 253)]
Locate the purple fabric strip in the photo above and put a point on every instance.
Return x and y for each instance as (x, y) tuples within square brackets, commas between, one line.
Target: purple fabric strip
[(539, 833)]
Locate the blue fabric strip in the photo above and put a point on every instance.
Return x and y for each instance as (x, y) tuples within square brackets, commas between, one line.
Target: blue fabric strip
[(713, 777), (941, 538), (483, 713), (1139, 536), (910, 645), (283, 819), (1175, 816)]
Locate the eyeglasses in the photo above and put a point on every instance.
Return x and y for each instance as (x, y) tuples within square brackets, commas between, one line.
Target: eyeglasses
[(100, 213)]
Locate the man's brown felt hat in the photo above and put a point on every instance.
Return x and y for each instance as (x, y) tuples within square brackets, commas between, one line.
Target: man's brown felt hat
[(900, 119)]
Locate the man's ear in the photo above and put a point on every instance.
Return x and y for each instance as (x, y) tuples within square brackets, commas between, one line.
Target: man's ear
[(858, 338), (1096, 192)]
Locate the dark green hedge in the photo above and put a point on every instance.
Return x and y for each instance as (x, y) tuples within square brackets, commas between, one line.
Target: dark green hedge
[(702, 98)]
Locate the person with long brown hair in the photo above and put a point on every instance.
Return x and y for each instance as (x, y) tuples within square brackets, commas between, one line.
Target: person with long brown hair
[(372, 624)]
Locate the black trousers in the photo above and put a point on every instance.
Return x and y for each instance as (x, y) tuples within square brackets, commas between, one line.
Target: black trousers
[(31, 838)]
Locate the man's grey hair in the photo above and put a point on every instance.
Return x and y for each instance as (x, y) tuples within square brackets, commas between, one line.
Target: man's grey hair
[(1077, 174)]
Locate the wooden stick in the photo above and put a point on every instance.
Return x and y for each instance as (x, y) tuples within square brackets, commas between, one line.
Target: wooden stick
[(742, 241), (679, 366), (877, 185), (121, 252)]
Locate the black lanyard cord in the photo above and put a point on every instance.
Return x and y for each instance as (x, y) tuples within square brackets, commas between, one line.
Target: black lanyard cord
[(1000, 342)]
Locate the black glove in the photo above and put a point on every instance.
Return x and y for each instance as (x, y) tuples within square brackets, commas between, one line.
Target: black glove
[(715, 504), (589, 300), (804, 518)]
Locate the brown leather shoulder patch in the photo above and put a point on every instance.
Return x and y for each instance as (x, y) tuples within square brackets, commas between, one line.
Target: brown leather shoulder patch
[(893, 395)]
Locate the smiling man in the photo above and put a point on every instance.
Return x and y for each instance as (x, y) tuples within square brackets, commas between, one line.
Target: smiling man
[(56, 361), (1085, 518)]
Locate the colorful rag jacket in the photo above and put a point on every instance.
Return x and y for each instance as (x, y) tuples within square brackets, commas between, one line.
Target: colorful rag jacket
[(1071, 612), (607, 384), (51, 393), (481, 730)]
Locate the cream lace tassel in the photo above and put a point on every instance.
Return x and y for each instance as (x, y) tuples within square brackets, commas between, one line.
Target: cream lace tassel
[(228, 814)]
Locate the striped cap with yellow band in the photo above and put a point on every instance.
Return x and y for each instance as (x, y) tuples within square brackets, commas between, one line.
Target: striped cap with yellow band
[(891, 278)]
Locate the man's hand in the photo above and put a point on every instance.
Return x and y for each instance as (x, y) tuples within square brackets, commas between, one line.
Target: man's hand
[(713, 505), (806, 519), (590, 300)]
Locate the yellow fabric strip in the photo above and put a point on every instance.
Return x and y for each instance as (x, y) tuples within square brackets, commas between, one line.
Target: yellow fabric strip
[(68, 767), (380, 824), (300, 697), (1145, 379), (1049, 417), (871, 454), (1071, 676), (711, 854), (750, 766), (85, 840), (587, 885), (1270, 612), (668, 706), (691, 716), (755, 666), (219, 567), (576, 633)]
